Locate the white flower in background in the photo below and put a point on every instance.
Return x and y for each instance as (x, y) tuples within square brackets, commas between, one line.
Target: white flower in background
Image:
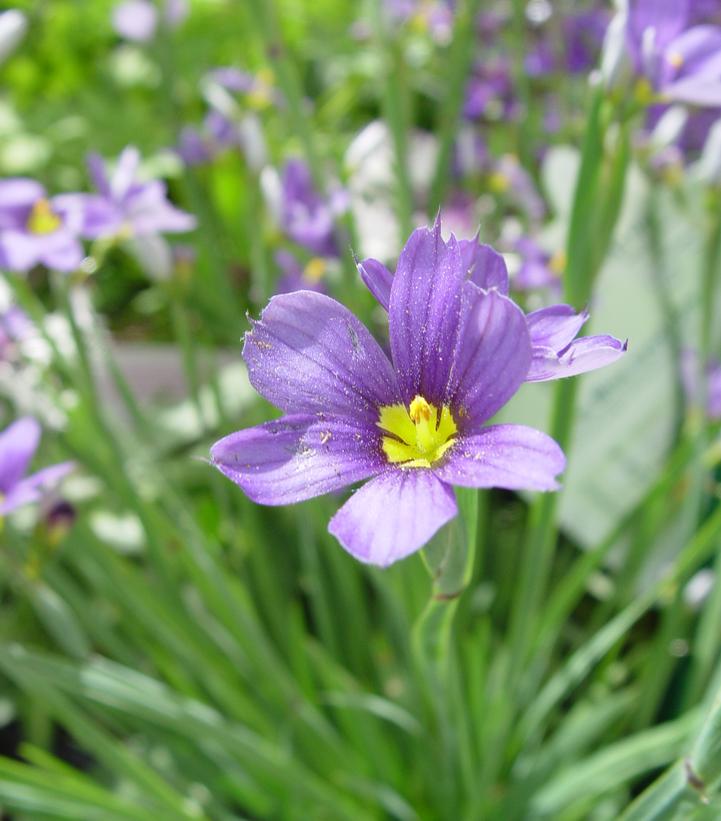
[(13, 25)]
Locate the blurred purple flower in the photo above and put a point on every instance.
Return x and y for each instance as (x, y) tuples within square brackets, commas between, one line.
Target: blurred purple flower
[(36, 230), (415, 427), (18, 444), (680, 63), (583, 34), (306, 216), (433, 16), (257, 90), (137, 20), (297, 277), (123, 206), (511, 180), (538, 269), (490, 92), (15, 326), (689, 377), (555, 351)]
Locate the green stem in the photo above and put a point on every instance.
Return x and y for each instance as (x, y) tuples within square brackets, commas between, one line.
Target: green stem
[(461, 56), (396, 98), (589, 238), (706, 644), (265, 15)]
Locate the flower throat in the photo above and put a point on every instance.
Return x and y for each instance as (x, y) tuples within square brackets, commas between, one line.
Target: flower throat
[(419, 434)]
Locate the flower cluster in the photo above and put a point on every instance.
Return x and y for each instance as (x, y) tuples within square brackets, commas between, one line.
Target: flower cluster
[(415, 424), (39, 230), (18, 444)]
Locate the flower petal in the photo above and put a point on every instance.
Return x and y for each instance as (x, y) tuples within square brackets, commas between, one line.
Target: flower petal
[(17, 197), (514, 457), (666, 17), (556, 326), (582, 355), (393, 515), (424, 313), (295, 458), (18, 444), (487, 268), (310, 354), (378, 279), (60, 251), (493, 356), (33, 488)]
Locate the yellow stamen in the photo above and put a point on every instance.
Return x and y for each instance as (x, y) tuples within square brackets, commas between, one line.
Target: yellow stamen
[(315, 270), (261, 95), (557, 262), (419, 435), (42, 219), (675, 59), (498, 182), (644, 92)]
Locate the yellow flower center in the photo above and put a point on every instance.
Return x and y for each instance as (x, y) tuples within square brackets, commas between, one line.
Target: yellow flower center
[(644, 92), (558, 262), (261, 95), (315, 269), (676, 59), (419, 434), (498, 182), (42, 219)]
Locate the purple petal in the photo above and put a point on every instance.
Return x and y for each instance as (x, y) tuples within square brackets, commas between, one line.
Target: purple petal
[(34, 487), (60, 250), (310, 354), (19, 251), (90, 215), (135, 20), (555, 327), (666, 17), (18, 444), (694, 91), (509, 456), (125, 171), (486, 267), (424, 313), (493, 356), (378, 279), (17, 197), (98, 174), (298, 457), (393, 515), (582, 355), (149, 212), (697, 53)]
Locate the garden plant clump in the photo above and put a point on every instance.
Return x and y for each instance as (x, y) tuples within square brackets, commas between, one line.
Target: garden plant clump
[(360, 410)]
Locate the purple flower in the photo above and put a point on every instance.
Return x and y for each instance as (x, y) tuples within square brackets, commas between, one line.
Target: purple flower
[(18, 444), (583, 34), (415, 425), (125, 207), (511, 179), (306, 216), (15, 326), (36, 230), (137, 20), (680, 64), (257, 90), (490, 93), (689, 376), (555, 351), (434, 16), (297, 277), (538, 268)]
